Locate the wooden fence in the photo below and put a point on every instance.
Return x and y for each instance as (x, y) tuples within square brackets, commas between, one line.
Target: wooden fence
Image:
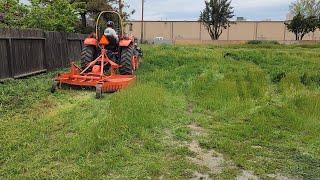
[(27, 52)]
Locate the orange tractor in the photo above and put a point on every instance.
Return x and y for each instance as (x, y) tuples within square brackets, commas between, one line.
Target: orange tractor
[(106, 64)]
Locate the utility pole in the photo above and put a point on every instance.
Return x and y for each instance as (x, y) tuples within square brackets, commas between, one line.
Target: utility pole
[(120, 7), (142, 20)]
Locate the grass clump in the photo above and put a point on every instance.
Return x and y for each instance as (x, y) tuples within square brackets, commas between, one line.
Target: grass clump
[(257, 42), (257, 105)]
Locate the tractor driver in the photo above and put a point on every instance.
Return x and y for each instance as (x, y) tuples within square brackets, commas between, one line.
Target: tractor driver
[(110, 32)]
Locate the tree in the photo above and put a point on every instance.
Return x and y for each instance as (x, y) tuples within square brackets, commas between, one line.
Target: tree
[(216, 17), (57, 15), (12, 13), (301, 25), (124, 13), (306, 7), (306, 17), (87, 8)]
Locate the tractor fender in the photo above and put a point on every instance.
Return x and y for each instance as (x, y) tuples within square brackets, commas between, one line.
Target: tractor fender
[(90, 41), (125, 43)]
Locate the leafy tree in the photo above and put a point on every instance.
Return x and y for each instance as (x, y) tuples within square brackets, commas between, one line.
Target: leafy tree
[(1, 17), (216, 17), (12, 13), (301, 25), (124, 14), (57, 15), (87, 8), (306, 17), (307, 8)]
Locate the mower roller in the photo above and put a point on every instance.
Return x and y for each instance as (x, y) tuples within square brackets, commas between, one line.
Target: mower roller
[(106, 64)]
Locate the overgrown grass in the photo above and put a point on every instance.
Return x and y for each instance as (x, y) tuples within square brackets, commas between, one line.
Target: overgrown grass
[(259, 104)]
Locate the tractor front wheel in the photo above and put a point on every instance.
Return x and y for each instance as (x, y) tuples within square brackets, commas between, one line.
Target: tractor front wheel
[(126, 60)]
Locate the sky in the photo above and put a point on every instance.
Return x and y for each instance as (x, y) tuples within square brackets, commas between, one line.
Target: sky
[(190, 9)]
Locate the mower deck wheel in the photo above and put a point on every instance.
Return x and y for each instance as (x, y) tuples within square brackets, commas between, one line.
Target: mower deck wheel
[(54, 87), (99, 91)]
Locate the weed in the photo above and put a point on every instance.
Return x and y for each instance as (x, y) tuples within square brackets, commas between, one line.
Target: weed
[(259, 107)]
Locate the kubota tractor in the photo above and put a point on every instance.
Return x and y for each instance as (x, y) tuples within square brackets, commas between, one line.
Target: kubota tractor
[(106, 64)]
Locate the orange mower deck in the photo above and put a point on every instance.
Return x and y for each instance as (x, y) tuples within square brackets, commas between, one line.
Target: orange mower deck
[(110, 83), (96, 78)]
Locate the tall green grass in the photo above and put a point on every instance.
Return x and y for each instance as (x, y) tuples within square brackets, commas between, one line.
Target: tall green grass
[(264, 96), (87, 138), (259, 105)]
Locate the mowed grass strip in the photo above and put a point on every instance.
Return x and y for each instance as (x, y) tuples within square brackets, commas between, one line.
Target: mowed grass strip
[(259, 106), (77, 136)]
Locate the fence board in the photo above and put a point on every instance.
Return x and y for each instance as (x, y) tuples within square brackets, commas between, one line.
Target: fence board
[(75, 41), (56, 50), (28, 56), (76, 36), (74, 50), (6, 32), (4, 67), (26, 51)]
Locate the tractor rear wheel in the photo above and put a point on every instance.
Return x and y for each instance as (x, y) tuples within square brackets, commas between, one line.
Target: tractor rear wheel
[(126, 60), (88, 54)]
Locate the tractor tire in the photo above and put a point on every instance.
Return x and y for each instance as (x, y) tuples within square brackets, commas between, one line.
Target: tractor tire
[(126, 60), (88, 54)]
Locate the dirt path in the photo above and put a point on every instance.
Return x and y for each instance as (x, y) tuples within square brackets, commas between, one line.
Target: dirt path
[(214, 161)]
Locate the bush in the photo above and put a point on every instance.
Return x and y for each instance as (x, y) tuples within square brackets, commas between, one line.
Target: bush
[(262, 42), (274, 42), (254, 42)]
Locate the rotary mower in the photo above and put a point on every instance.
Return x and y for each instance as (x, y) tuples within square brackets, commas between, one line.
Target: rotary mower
[(106, 64)]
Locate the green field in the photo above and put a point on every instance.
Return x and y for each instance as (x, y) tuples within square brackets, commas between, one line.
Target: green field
[(196, 111)]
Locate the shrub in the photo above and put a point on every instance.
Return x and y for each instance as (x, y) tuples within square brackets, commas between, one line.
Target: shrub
[(262, 42), (254, 42)]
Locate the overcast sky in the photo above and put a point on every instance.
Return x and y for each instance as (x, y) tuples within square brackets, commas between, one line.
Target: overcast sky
[(190, 9)]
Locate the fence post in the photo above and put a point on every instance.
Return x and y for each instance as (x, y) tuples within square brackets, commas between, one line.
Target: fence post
[(45, 63), (10, 57), (256, 31), (64, 47), (228, 33), (67, 53), (172, 36), (81, 40), (200, 35)]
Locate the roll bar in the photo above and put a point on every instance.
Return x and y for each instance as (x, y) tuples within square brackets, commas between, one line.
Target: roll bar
[(111, 12)]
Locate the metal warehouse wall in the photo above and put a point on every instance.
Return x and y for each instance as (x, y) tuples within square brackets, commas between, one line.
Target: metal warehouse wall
[(192, 30)]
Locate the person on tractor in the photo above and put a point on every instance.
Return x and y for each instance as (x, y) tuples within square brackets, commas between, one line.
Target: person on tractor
[(113, 39), (110, 32)]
